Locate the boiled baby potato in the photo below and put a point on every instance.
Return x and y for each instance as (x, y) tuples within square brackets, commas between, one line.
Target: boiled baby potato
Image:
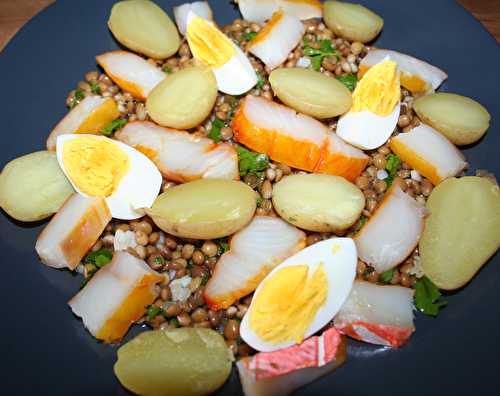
[(462, 230), (461, 119), (143, 27), (183, 99), (317, 202), (352, 21), (311, 92), (185, 361), (33, 187), (204, 209)]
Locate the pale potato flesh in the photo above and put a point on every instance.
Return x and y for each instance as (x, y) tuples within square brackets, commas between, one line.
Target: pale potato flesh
[(320, 203), (311, 92), (462, 230), (185, 361), (352, 21), (461, 119), (183, 99), (33, 187), (204, 209), (143, 27)]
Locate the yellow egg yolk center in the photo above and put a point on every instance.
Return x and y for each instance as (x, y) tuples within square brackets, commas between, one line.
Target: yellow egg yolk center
[(95, 165), (287, 303), (208, 44), (379, 90)]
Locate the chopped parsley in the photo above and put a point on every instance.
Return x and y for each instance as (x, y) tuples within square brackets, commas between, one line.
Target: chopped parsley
[(387, 276), (427, 297), (90, 274), (260, 81), (251, 162), (79, 95), (249, 36), (159, 260), (167, 70), (259, 202), (95, 88), (113, 126), (349, 80), (316, 55), (204, 279), (223, 245), (214, 133), (99, 258), (392, 166), (153, 311)]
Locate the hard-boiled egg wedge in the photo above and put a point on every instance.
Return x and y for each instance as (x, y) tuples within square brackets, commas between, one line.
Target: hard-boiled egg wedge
[(276, 39), (200, 8), (416, 76), (300, 296), (72, 231), (181, 156), (116, 296), (254, 252), (281, 372), (375, 108), (376, 314), (295, 139), (130, 72), (89, 116), (233, 71), (393, 231), (428, 152), (101, 167), (262, 10)]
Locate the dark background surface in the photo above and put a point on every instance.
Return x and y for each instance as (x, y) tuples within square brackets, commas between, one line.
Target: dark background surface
[(47, 351)]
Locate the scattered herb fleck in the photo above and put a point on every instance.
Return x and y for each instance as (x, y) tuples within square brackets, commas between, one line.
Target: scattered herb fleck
[(204, 279), (387, 276), (426, 297), (99, 258), (214, 133), (251, 162), (90, 274), (95, 88), (79, 95), (249, 36), (316, 55), (113, 126), (167, 70), (153, 311), (159, 260), (392, 167), (260, 81), (174, 322), (223, 245), (349, 80), (259, 202)]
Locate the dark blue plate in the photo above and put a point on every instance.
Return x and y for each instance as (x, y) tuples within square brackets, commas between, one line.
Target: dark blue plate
[(46, 350)]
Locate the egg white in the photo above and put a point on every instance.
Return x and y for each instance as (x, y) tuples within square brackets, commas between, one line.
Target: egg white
[(340, 269), (367, 130), (138, 188)]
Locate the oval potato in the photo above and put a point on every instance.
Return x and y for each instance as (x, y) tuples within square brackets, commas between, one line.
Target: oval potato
[(462, 230), (317, 202), (183, 99), (204, 209), (461, 119), (184, 361), (311, 92), (33, 187), (143, 27), (351, 21)]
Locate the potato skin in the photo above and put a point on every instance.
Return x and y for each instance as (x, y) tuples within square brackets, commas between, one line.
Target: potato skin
[(184, 99), (462, 230), (204, 209), (317, 202), (311, 92), (183, 361), (461, 119), (351, 21), (33, 186)]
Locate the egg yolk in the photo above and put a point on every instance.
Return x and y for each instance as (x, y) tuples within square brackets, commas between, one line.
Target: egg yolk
[(96, 166), (208, 44), (379, 90), (287, 303)]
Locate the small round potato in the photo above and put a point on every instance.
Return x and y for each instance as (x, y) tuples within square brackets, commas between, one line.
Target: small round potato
[(462, 230), (352, 21), (183, 99), (33, 187), (459, 118), (311, 92), (204, 209), (144, 27), (317, 202), (184, 361)]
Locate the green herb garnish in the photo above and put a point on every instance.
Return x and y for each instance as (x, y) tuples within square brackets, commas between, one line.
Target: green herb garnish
[(249, 36), (113, 126), (90, 274), (426, 297), (167, 70), (260, 81), (251, 162), (259, 202), (204, 279), (153, 311), (95, 88), (349, 80), (174, 322), (223, 245), (387, 276), (159, 260), (214, 133), (316, 55), (392, 166), (99, 258), (79, 95)]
